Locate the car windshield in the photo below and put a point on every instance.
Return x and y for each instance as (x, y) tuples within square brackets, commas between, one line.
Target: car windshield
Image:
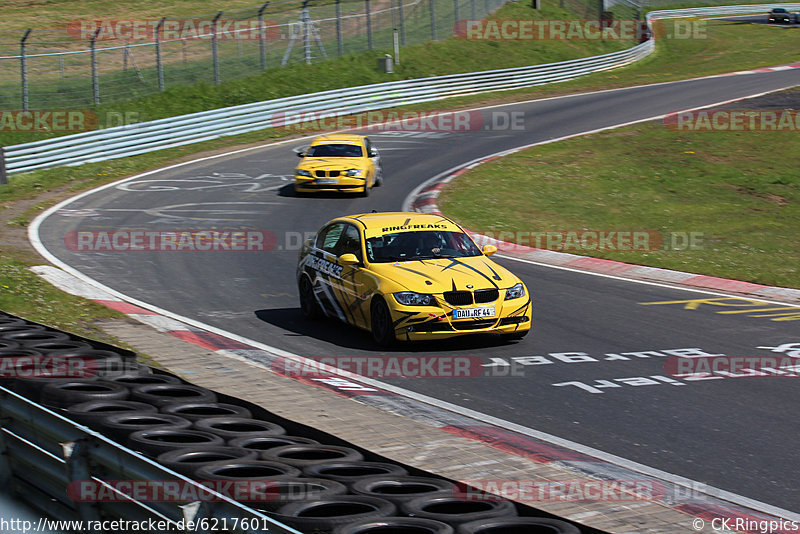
[(339, 150), (779, 10), (406, 246)]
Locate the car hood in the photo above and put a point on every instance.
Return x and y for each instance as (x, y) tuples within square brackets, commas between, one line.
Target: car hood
[(311, 164), (447, 274)]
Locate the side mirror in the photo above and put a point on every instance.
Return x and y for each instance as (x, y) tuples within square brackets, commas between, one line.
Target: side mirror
[(373, 153), (348, 259), (488, 250), (301, 154)]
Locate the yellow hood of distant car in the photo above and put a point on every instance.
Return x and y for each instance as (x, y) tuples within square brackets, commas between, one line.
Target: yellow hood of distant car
[(313, 164)]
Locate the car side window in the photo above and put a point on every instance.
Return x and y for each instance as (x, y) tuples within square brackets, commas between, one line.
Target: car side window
[(328, 238), (349, 242)]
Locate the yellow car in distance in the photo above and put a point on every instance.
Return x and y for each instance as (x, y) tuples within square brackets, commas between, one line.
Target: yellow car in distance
[(409, 276), (339, 162)]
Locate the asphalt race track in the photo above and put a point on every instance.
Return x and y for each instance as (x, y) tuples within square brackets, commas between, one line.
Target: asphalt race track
[(599, 340)]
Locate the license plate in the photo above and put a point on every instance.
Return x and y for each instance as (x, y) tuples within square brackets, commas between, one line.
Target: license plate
[(327, 180), (473, 313)]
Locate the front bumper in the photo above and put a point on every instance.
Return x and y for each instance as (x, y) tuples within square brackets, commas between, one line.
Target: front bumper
[(416, 323), (305, 184)]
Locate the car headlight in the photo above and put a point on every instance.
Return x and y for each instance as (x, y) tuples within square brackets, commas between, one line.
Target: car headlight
[(357, 173), (409, 298), (515, 292), (302, 172)]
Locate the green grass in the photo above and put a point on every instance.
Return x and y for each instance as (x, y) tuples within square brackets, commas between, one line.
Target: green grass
[(727, 186)]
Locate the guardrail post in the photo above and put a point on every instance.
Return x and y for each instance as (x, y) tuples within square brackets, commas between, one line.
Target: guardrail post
[(159, 64), (24, 69), (95, 82), (214, 51), (261, 37), (3, 174), (76, 455), (5, 464)]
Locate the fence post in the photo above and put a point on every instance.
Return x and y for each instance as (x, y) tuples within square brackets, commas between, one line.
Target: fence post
[(432, 4), (261, 37), (214, 51), (159, 64), (339, 43), (369, 25), (456, 15), (23, 65), (473, 8), (3, 181), (95, 81)]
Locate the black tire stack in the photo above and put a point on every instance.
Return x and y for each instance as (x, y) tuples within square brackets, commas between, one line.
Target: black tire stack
[(302, 477)]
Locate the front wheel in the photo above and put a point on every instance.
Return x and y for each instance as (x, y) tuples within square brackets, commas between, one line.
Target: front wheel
[(308, 302), (381, 323)]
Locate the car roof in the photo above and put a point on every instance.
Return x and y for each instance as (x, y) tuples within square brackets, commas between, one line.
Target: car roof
[(375, 224), (338, 138)]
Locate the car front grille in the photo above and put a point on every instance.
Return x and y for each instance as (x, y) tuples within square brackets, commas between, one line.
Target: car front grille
[(486, 295), (473, 325), (465, 298), (458, 298), (327, 174)]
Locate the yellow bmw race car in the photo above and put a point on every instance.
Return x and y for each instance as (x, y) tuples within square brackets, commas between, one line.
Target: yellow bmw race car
[(409, 276), (339, 162)]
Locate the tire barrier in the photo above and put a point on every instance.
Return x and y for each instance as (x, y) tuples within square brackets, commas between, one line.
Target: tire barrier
[(246, 471), (119, 426), (259, 444), (323, 515), (454, 510), (194, 411), (230, 428), (404, 525), (155, 441), (400, 489), (349, 473), (277, 493), (133, 379), (514, 525), (307, 455), (295, 474), (187, 460), (163, 394), (88, 413), (63, 394)]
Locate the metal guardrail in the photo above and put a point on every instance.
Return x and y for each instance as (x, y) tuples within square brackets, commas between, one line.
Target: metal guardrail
[(130, 140), (42, 453)]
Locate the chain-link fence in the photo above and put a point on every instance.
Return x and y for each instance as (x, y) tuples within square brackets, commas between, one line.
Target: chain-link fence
[(93, 61)]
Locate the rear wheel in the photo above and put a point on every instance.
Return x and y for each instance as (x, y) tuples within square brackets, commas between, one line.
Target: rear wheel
[(381, 323), (308, 302)]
